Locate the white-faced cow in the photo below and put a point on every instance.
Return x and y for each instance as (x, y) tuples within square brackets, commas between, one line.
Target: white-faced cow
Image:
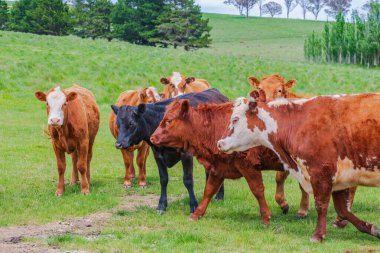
[(328, 143), (73, 122), (178, 84)]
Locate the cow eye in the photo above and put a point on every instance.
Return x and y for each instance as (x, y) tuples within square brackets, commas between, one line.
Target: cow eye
[(235, 120), (168, 121)]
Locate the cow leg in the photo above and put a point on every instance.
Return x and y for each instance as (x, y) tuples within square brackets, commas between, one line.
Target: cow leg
[(187, 165), (339, 221), (128, 164), (89, 158), (74, 175), (142, 155), (304, 204), (220, 194), (61, 165), (280, 192), (342, 207), (82, 167), (322, 187), (255, 182), (164, 179), (212, 185)]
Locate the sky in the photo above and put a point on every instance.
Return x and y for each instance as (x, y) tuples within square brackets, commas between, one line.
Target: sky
[(217, 6)]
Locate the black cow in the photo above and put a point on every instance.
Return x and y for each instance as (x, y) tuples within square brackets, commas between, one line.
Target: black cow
[(138, 123)]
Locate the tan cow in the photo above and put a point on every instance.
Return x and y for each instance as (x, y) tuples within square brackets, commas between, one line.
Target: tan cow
[(275, 87), (177, 84), (73, 122), (134, 97)]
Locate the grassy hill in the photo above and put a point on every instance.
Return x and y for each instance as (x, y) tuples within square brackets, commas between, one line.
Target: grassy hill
[(241, 48)]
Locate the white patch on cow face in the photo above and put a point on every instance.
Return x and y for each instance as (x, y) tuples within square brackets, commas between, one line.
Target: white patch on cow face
[(243, 138), (55, 101), (348, 176), (176, 80), (157, 96)]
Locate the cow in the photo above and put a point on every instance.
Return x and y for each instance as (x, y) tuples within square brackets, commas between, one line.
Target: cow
[(330, 144), (137, 123), (134, 97), (73, 122), (207, 124), (274, 87), (178, 84)]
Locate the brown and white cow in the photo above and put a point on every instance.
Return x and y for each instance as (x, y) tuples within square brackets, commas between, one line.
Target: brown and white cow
[(276, 87), (328, 143), (73, 122), (207, 124), (178, 84), (134, 97)]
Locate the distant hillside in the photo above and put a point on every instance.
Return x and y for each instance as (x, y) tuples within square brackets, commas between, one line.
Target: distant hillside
[(260, 37)]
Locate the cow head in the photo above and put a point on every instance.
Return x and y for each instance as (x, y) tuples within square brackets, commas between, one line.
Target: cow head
[(250, 124), (175, 85), (148, 95), (131, 124), (274, 86), (56, 104), (173, 126)]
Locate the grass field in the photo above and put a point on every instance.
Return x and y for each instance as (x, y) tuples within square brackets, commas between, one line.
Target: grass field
[(241, 48)]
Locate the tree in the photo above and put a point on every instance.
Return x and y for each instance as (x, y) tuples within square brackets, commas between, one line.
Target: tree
[(272, 8), (92, 18), (290, 5), (336, 6), (49, 17), (3, 14), (244, 6), (315, 6), (182, 25), (304, 5), (260, 4)]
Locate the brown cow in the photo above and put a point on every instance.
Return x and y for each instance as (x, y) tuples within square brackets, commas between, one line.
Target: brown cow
[(73, 119), (134, 97), (275, 87), (207, 123), (330, 144), (177, 84)]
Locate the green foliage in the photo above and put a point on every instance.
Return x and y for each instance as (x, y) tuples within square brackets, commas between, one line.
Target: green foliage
[(92, 18), (49, 17), (182, 25), (355, 42), (4, 15)]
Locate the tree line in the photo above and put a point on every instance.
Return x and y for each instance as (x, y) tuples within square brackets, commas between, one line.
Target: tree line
[(354, 42), (332, 7), (145, 22)]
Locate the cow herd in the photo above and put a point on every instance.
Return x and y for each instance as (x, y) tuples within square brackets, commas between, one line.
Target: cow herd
[(328, 143)]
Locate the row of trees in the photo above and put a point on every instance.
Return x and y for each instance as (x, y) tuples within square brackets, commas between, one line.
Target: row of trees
[(355, 42), (146, 22), (332, 7)]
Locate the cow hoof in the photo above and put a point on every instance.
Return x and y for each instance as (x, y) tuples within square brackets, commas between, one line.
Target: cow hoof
[(285, 209), (126, 186), (375, 231), (142, 186), (74, 182), (85, 192), (316, 238), (160, 212), (301, 216), (340, 223), (59, 194)]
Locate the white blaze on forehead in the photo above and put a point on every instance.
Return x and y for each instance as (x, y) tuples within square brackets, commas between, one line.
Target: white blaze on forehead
[(176, 79), (155, 93), (55, 101)]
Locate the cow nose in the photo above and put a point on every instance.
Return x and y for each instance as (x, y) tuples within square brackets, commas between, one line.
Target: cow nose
[(54, 121), (220, 144), (153, 139), (118, 145)]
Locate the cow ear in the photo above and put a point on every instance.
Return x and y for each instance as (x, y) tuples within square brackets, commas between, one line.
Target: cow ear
[(190, 79), (258, 95), (164, 80), (184, 105), (141, 108), (290, 84), (252, 105), (253, 81), (115, 109), (162, 95), (142, 95), (71, 96), (40, 96)]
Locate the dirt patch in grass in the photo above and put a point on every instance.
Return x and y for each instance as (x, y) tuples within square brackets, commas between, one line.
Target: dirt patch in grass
[(11, 238)]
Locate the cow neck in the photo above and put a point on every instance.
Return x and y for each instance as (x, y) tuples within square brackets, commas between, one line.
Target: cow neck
[(282, 139), (153, 115)]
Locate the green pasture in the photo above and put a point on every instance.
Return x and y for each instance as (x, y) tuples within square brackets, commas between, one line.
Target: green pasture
[(241, 47)]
